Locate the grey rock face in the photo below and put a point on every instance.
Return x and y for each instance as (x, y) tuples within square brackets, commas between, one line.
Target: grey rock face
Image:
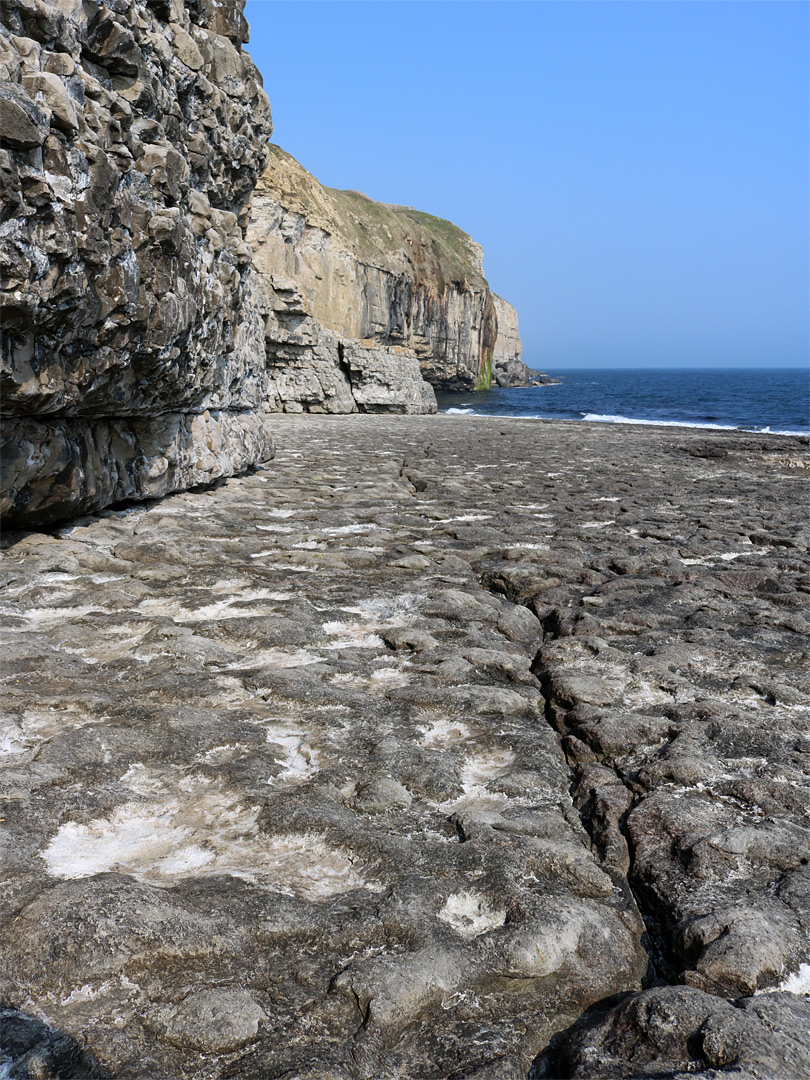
[(288, 788), (132, 136)]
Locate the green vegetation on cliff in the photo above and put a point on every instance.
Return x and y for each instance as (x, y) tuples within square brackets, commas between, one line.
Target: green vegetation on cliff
[(378, 233)]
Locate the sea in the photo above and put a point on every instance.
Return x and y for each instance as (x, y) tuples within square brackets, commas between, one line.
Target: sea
[(775, 401)]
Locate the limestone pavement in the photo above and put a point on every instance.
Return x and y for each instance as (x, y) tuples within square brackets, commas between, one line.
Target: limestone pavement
[(400, 754)]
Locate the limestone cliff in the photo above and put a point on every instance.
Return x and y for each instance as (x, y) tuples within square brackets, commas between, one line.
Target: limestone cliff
[(131, 136), (339, 267)]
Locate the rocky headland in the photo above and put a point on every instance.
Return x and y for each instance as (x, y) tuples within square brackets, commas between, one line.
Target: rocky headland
[(436, 747), (372, 305)]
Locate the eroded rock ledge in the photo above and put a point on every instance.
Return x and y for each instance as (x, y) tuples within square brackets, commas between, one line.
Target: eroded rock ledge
[(131, 135), (399, 757)]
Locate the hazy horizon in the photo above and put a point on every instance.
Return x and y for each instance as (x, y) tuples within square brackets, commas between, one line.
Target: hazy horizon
[(635, 172)]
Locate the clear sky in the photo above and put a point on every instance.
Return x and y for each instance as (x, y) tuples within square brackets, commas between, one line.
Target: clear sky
[(636, 170)]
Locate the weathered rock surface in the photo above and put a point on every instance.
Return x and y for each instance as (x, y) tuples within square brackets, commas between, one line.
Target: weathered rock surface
[(131, 137), (288, 788), (676, 1032), (338, 267)]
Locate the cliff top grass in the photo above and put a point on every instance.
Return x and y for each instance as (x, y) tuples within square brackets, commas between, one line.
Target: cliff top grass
[(377, 233)]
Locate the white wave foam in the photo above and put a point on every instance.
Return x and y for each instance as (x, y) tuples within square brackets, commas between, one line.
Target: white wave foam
[(600, 418), (607, 418)]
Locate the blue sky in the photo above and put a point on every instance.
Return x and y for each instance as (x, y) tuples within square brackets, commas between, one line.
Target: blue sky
[(636, 170)]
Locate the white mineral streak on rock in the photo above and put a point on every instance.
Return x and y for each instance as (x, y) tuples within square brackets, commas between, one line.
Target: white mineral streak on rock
[(37, 726), (481, 767), (297, 758), (379, 613), (347, 530), (353, 637), (222, 609), (470, 914), (443, 732), (281, 658)]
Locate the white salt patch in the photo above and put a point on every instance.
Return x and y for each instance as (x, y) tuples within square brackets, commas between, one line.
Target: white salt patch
[(13, 741), (284, 566), (306, 545), (444, 733), (464, 517), (91, 993), (200, 833), (280, 513), (387, 609), (482, 767), (357, 640), (37, 726), (470, 914), (221, 609), (380, 680), (297, 758), (345, 679), (725, 556), (609, 498), (595, 524), (388, 677), (217, 754), (276, 528), (48, 615), (143, 780), (277, 658), (347, 530)]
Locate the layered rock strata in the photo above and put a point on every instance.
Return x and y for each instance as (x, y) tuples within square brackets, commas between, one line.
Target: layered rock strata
[(398, 758), (342, 270), (131, 136)]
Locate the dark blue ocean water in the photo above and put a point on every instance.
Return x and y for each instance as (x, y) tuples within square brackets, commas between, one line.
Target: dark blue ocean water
[(775, 400)]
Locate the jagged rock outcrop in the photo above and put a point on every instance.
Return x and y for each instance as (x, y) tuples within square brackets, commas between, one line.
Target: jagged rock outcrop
[(131, 136), (338, 267)]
